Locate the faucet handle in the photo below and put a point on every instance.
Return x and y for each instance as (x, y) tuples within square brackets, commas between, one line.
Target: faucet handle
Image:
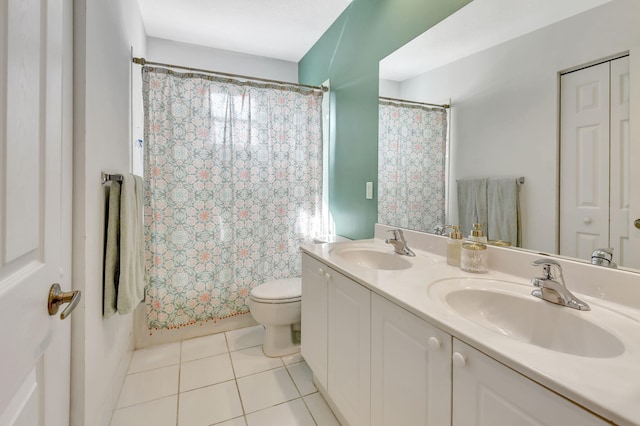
[(440, 229), (397, 235), (603, 257), (546, 267)]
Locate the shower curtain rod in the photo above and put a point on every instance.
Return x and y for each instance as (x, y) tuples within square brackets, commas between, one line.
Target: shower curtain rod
[(445, 106), (143, 61)]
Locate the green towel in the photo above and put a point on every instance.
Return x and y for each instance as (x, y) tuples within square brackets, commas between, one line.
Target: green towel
[(503, 210), (112, 252), (131, 283), (472, 203)]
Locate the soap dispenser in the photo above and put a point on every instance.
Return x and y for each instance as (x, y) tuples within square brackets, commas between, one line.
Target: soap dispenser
[(477, 234), (454, 244), (474, 256)]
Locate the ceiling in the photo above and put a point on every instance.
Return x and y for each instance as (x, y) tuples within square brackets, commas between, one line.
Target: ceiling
[(281, 29), (476, 27)]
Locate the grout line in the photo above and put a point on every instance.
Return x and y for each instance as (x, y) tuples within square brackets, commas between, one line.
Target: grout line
[(179, 378), (309, 410), (292, 379), (145, 402), (298, 389), (235, 378), (233, 418), (207, 386)]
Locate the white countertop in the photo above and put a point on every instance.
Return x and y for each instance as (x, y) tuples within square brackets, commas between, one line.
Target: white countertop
[(609, 387)]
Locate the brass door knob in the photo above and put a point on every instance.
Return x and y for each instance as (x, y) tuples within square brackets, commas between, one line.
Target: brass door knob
[(636, 223), (58, 297)]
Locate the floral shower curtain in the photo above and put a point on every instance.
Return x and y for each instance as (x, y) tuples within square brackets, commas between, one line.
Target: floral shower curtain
[(411, 165), (234, 186)]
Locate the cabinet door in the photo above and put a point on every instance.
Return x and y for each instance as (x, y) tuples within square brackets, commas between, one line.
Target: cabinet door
[(349, 348), (314, 317), (486, 392), (410, 368)]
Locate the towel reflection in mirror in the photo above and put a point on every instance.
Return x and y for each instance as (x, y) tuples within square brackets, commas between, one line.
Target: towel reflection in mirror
[(493, 201)]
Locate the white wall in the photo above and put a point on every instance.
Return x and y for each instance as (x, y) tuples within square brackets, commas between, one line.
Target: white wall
[(172, 52), (104, 33), (505, 105)]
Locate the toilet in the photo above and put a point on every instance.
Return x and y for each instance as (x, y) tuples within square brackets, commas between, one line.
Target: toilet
[(276, 305)]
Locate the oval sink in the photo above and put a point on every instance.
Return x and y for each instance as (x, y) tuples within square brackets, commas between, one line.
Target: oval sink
[(370, 258), (523, 317)]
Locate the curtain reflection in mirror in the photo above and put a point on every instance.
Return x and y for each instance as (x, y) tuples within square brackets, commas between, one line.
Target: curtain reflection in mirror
[(412, 146)]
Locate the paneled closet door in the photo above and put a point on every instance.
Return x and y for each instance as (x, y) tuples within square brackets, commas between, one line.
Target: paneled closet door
[(595, 161), (632, 259), (620, 164)]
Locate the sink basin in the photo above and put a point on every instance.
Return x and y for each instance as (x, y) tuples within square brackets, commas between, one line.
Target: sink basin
[(513, 312), (371, 258)]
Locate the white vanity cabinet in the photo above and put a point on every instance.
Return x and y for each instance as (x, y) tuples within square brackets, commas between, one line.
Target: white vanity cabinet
[(381, 365), (336, 334), (486, 392), (410, 368), (315, 278)]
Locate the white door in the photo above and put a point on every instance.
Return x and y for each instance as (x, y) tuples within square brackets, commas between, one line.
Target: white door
[(34, 191), (584, 161), (633, 259), (620, 163), (595, 161)]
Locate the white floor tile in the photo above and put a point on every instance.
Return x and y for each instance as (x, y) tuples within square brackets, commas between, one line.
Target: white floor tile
[(302, 377), (206, 406), (293, 413), (265, 389), (320, 411), (245, 337), (253, 360), (155, 357), (149, 385), (239, 421), (292, 359), (203, 347), (159, 412), (204, 372)]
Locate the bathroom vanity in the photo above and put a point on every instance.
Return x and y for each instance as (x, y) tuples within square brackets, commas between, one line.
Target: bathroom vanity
[(397, 340)]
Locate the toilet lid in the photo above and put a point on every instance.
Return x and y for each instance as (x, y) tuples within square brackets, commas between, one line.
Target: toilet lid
[(278, 291)]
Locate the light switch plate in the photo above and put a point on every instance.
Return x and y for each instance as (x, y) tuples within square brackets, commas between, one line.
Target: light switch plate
[(369, 191)]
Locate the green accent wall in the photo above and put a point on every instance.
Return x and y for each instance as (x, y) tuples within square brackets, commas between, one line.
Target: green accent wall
[(347, 55)]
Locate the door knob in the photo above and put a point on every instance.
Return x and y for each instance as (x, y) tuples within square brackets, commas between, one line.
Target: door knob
[(58, 297), (636, 223), (587, 220)]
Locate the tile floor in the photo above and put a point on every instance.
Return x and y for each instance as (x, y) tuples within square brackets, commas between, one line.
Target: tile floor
[(222, 379)]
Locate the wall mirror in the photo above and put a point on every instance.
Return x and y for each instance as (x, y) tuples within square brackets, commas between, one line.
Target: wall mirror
[(501, 65)]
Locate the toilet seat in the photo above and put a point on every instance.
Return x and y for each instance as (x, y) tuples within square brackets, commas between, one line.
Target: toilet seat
[(285, 290)]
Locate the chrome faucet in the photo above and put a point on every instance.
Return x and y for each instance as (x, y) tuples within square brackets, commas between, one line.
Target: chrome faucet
[(440, 229), (554, 290), (603, 257), (399, 243)]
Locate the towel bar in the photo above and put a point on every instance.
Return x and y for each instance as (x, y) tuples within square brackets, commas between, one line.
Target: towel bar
[(519, 180), (108, 177)]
